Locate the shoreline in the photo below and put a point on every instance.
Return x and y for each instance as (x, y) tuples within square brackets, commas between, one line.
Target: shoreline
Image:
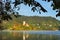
[(49, 32), (28, 30)]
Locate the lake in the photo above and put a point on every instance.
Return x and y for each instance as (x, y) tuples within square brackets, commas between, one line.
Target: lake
[(29, 35)]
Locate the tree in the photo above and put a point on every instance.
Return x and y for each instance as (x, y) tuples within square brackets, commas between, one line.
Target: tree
[(58, 27), (55, 5), (6, 7)]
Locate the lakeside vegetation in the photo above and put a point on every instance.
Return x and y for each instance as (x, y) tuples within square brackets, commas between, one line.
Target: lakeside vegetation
[(32, 23)]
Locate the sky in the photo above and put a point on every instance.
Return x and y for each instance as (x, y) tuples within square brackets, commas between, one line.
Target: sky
[(26, 10)]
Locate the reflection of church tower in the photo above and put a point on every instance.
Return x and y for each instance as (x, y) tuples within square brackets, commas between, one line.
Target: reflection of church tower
[(25, 36)]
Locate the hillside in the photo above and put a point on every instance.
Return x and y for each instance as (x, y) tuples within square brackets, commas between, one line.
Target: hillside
[(32, 23)]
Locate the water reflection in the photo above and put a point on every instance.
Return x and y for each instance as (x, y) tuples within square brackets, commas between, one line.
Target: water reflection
[(27, 36)]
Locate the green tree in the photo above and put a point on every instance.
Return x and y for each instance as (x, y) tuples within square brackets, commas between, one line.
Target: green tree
[(58, 27)]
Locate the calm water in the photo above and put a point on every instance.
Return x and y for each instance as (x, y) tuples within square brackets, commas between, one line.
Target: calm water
[(29, 35)]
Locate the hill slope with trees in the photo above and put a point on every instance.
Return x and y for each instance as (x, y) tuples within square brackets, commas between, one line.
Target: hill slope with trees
[(32, 23)]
